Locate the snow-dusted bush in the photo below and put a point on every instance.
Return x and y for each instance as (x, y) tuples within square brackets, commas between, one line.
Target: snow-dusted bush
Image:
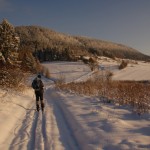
[(12, 78)]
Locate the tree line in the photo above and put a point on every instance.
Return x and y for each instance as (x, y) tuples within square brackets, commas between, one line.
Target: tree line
[(49, 45)]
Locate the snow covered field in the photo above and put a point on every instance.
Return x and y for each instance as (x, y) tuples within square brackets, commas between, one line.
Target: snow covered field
[(135, 71), (70, 121)]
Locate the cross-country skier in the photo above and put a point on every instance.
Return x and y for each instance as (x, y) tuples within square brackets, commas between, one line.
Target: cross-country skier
[(38, 85)]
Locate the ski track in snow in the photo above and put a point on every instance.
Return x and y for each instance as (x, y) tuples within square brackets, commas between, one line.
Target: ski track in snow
[(43, 131)]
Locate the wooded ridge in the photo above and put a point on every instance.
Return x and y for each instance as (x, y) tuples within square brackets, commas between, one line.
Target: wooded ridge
[(50, 45)]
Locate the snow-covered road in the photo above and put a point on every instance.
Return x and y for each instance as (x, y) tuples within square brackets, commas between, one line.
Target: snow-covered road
[(41, 131), (24, 128)]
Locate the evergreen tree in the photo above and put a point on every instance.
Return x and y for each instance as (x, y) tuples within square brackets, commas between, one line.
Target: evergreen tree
[(9, 43), (29, 63)]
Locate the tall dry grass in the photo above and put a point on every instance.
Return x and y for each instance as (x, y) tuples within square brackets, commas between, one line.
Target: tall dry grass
[(134, 94), (44, 71)]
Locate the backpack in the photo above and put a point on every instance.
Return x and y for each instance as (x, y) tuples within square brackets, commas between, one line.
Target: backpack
[(35, 84)]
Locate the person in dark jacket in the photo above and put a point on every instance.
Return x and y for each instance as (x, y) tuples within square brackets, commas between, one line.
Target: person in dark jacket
[(38, 86)]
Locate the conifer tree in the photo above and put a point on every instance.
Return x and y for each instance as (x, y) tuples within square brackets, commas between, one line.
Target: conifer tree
[(9, 43)]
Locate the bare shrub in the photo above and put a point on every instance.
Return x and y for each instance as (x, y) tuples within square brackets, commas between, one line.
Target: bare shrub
[(60, 82), (12, 78), (123, 64), (84, 59), (93, 64), (44, 71), (47, 73), (109, 75)]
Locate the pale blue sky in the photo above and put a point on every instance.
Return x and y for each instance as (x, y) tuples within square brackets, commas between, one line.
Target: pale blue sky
[(120, 21)]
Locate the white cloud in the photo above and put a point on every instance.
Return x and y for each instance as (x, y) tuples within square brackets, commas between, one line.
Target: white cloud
[(5, 5)]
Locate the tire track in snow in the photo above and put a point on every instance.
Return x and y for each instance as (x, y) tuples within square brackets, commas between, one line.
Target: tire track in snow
[(50, 130), (46, 131), (66, 136), (44, 122)]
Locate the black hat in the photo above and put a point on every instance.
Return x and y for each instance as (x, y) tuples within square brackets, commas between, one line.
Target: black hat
[(39, 76)]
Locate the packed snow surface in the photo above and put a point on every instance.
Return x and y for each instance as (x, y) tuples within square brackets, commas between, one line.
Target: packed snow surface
[(71, 121)]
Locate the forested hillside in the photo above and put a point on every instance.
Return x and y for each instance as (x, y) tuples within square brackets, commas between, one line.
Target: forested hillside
[(47, 44)]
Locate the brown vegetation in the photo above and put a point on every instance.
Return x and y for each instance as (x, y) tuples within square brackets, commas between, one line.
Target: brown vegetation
[(91, 62), (12, 78), (44, 71), (135, 94), (123, 64), (60, 82)]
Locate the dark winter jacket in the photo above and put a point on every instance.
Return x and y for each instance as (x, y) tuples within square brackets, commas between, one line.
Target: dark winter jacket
[(38, 85)]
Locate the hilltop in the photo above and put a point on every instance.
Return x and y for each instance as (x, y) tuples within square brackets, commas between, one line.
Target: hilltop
[(51, 45)]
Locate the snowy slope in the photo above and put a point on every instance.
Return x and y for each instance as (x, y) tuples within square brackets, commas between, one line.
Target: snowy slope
[(70, 121), (137, 71), (69, 70)]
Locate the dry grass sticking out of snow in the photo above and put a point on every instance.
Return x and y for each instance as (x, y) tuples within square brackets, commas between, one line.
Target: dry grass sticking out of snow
[(133, 94)]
